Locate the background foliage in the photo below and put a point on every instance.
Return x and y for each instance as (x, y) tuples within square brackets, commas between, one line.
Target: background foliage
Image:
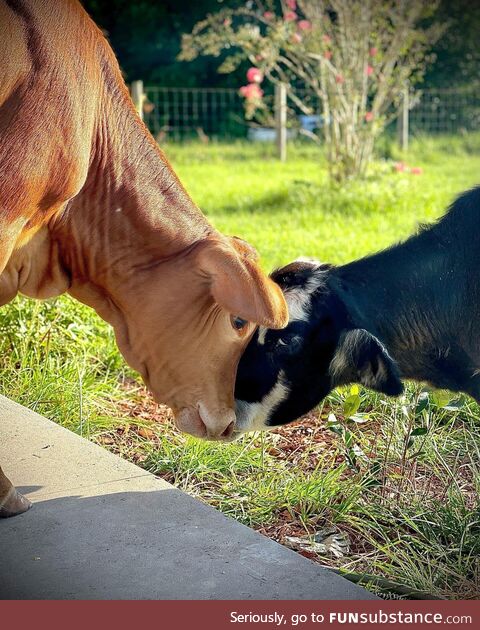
[(145, 35)]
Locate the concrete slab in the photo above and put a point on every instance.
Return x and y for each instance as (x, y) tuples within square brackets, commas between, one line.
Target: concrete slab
[(102, 528)]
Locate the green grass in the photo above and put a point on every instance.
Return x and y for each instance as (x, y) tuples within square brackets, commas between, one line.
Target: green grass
[(400, 480), (291, 210)]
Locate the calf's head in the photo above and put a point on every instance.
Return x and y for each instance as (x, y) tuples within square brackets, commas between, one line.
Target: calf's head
[(185, 323), (284, 374)]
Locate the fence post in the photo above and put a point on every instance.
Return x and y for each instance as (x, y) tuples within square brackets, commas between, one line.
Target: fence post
[(281, 120), (402, 121), (138, 96)]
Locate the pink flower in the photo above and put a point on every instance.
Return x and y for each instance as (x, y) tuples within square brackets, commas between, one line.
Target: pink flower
[(291, 4), (254, 75), (369, 117), (416, 170), (227, 22), (328, 54), (251, 91), (373, 51), (400, 167), (327, 39), (305, 25), (268, 15), (369, 71), (339, 79), (296, 38), (290, 16)]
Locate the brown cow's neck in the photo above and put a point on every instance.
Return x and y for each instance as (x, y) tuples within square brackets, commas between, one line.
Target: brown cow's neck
[(132, 210), (131, 214), (127, 210)]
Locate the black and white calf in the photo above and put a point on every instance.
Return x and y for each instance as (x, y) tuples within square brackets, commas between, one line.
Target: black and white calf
[(411, 311)]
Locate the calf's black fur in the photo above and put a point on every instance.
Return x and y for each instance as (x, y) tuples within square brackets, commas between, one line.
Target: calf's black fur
[(409, 312)]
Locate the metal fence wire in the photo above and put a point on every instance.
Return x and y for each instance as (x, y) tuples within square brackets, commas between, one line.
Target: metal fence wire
[(188, 113), (446, 111), (179, 114)]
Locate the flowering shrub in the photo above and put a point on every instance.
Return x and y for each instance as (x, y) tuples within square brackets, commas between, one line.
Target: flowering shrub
[(401, 167), (354, 56), (254, 75), (252, 92), (305, 25), (290, 16)]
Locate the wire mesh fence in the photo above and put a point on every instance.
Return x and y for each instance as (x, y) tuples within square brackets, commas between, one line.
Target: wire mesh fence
[(179, 114), (446, 111), (187, 113)]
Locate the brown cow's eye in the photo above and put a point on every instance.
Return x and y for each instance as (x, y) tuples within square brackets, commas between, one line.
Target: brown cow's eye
[(238, 323)]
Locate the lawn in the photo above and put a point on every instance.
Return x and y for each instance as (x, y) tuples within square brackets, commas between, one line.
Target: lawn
[(386, 488)]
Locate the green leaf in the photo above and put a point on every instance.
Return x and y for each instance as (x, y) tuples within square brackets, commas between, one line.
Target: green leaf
[(351, 405), (419, 431), (359, 418), (456, 404), (441, 398), (336, 428), (422, 404), (371, 482), (348, 438), (351, 458)]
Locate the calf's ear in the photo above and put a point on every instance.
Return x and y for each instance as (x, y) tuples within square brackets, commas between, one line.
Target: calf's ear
[(361, 358), (239, 285)]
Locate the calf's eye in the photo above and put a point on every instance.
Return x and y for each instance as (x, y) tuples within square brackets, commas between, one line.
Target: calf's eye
[(289, 345), (238, 323)]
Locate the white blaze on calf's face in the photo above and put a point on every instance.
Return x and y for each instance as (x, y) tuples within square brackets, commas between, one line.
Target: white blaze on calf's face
[(254, 416)]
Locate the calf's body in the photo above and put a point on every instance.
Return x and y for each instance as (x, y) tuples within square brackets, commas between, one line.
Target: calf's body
[(411, 311)]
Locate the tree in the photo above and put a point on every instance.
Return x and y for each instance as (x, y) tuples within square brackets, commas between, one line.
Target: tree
[(457, 53), (355, 56), (145, 36)]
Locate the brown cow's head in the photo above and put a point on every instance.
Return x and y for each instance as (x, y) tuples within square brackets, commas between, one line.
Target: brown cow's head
[(186, 323)]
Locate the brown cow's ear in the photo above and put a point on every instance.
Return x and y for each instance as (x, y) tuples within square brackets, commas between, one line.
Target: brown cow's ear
[(239, 285), (243, 248)]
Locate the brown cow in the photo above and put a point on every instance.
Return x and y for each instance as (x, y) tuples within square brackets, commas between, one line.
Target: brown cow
[(90, 206)]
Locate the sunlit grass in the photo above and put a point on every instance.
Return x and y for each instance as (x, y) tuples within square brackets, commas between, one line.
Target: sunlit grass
[(407, 495)]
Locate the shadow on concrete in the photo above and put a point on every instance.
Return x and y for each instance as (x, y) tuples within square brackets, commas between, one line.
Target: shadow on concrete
[(26, 490), (150, 545)]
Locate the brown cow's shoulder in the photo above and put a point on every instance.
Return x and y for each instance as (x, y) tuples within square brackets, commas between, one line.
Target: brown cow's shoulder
[(71, 142)]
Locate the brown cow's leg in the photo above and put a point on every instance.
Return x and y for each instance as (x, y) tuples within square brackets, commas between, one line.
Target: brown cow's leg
[(11, 501)]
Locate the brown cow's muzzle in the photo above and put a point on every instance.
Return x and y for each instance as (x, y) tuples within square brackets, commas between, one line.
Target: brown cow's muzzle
[(198, 421)]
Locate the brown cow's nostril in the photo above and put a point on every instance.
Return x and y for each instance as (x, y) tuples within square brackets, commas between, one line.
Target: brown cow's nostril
[(229, 430), (190, 421), (197, 422)]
